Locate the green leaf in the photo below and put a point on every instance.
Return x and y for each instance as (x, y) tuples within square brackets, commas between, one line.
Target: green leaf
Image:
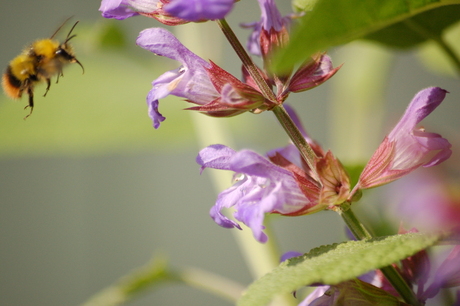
[(333, 264), (418, 29), (335, 22)]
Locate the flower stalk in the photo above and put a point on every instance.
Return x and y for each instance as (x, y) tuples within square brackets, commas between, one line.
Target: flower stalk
[(296, 136)]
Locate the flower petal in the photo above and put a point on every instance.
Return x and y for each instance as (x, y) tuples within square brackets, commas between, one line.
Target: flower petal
[(215, 156), (190, 81), (261, 187), (199, 10), (117, 9)]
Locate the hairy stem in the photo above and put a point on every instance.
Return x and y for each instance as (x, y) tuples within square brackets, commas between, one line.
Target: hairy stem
[(297, 138), (247, 61)]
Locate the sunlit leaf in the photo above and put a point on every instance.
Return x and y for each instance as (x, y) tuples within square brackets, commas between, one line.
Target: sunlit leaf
[(334, 22), (333, 264)]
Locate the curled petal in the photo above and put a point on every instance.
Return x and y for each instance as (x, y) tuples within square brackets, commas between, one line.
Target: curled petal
[(190, 81), (199, 10)]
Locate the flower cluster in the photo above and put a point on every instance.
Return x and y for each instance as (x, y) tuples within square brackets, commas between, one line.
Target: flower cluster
[(216, 92), (262, 185), (301, 178), (280, 183)]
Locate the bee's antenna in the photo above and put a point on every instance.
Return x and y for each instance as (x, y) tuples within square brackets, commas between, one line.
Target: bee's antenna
[(70, 32), (52, 36)]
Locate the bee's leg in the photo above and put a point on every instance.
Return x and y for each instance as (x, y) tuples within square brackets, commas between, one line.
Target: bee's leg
[(59, 75), (48, 82), (30, 92)]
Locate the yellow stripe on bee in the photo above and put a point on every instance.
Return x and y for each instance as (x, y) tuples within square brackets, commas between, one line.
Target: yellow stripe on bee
[(45, 47), (22, 66)]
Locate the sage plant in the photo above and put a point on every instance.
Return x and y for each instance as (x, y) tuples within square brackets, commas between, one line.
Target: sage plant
[(301, 178)]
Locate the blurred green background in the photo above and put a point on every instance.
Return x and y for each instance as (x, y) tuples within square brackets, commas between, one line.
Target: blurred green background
[(89, 190)]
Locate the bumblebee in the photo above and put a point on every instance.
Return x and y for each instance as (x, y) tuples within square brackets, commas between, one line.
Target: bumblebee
[(36, 64)]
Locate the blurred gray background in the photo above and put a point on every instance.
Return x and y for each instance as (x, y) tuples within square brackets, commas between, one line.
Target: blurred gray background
[(71, 224)]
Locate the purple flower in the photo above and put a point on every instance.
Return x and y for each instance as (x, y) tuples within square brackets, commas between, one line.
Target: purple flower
[(281, 184), (406, 148), (260, 187), (199, 10), (216, 91)]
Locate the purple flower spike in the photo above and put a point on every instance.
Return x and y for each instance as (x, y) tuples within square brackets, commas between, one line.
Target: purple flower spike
[(261, 187), (407, 147), (190, 81), (117, 9), (199, 10)]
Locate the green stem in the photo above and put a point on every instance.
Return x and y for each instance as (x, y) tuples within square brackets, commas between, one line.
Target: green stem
[(356, 227), (305, 150), (247, 61), (212, 283), (297, 138), (425, 33), (393, 276)]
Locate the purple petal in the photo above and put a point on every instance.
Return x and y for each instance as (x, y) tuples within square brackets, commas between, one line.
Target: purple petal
[(314, 296), (190, 81), (253, 42), (215, 156), (289, 255), (270, 19), (416, 147), (421, 106), (261, 187), (446, 276), (162, 42), (251, 163), (199, 10), (118, 9)]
